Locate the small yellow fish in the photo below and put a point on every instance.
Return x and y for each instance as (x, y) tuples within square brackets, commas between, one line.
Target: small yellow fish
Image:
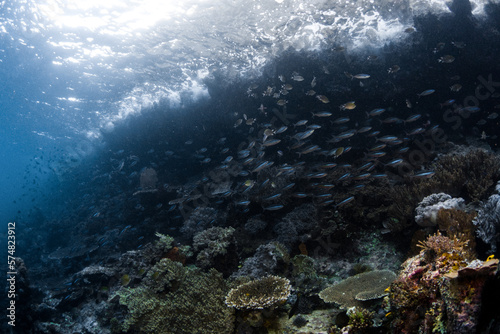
[(323, 98), (491, 257), (338, 152), (349, 106)]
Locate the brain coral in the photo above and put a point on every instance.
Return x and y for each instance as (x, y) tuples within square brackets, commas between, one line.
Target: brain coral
[(362, 287)]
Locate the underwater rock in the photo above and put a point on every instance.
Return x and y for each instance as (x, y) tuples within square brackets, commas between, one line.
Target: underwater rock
[(268, 259), (427, 210)]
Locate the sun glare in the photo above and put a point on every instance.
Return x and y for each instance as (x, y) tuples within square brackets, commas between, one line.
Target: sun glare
[(112, 16)]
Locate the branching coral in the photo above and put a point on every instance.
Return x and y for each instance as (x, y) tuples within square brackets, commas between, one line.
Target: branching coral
[(467, 174), (458, 224), (359, 319)]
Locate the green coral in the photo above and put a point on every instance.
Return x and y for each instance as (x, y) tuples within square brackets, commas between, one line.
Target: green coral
[(359, 318), (165, 275), (165, 243), (173, 299)]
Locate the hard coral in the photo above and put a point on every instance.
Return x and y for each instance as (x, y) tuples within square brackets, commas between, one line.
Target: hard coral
[(362, 287), (259, 294), (439, 290), (488, 222), (173, 299), (359, 319), (468, 173), (212, 244)]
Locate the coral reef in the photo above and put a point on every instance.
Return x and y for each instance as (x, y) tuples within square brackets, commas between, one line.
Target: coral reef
[(469, 173), (427, 209), (169, 300), (438, 290), (294, 227), (488, 222), (356, 289), (255, 225), (458, 224), (212, 246), (264, 293), (269, 259), (200, 219), (360, 320)]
